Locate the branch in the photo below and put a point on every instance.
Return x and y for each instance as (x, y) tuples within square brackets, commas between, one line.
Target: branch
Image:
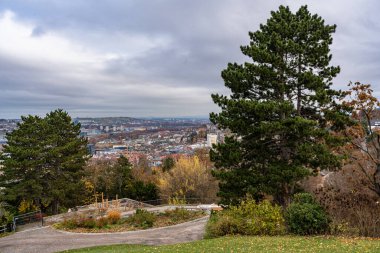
[(368, 121), (365, 173), (366, 151)]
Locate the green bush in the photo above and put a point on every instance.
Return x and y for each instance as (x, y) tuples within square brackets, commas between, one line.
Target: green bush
[(306, 217), (142, 218), (249, 218), (221, 224), (303, 198), (262, 218)]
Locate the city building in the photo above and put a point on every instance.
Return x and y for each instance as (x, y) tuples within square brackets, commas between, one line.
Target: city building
[(212, 139)]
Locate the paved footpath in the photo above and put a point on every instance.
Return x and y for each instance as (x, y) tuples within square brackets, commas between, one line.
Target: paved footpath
[(48, 240)]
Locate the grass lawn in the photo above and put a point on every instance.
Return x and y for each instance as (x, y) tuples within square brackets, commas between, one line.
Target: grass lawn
[(262, 244)]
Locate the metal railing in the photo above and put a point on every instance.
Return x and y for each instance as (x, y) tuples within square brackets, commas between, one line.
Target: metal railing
[(179, 201), (3, 229), (123, 202), (27, 218)]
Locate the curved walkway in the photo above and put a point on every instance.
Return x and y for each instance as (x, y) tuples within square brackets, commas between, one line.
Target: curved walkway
[(48, 240)]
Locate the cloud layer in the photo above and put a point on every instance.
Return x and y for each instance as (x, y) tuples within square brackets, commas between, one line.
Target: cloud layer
[(151, 58)]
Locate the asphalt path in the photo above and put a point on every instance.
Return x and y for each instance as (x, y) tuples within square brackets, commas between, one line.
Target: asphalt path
[(48, 240)]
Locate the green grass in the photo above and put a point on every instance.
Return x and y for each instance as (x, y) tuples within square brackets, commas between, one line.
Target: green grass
[(262, 244)]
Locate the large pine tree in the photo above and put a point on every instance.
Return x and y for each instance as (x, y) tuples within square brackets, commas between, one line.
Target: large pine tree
[(281, 111), (42, 162)]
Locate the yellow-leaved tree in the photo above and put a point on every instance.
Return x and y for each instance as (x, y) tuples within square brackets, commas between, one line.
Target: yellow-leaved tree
[(190, 179)]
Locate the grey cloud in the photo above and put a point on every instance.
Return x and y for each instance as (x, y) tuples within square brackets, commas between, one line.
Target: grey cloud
[(38, 31), (192, 41)]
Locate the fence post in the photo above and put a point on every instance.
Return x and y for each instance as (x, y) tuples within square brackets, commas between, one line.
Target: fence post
[(14, 224), (42, 219)]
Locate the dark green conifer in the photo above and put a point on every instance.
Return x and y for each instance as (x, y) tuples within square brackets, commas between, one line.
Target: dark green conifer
[(281, 111), (43, 161)]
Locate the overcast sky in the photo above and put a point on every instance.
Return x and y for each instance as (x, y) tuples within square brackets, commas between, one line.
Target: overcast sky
[(152, 57)]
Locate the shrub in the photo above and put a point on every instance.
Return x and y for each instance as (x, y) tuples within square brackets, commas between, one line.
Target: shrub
[(89, 223), (224, 224), (353, 213), (142, 218), (342, 228), (261, 218), (303, 198), (179, 214), (101, 222), (176, 201), (113, 216), (249, 218), (68, 223), (86, 222), (306, 217)]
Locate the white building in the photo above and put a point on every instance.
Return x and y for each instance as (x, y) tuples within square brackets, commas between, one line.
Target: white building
[(212, 139)]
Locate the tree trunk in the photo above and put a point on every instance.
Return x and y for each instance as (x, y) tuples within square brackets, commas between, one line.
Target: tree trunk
[(55, 206), (299, 101), (284, 198)]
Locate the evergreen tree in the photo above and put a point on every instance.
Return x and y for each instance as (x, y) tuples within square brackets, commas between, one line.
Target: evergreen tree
[(123, 171), (43, 162), (281, 110), (167, 164)]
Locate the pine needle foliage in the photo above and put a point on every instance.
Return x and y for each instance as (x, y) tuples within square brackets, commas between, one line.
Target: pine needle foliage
[(282, 110)]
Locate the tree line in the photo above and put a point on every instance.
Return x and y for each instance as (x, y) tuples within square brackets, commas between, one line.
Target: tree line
[(46, 166)]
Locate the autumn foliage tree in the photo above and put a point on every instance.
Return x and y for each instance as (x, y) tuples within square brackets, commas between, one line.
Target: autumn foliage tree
[(189, 178), (118, 177), (364, 147)]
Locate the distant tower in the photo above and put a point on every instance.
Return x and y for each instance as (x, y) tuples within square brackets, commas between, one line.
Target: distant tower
[(212, 139), (107, 128), (114, 128)]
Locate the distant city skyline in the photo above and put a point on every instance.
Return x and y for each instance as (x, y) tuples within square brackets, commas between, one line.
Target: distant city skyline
[(139, 58), (107, 116)]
